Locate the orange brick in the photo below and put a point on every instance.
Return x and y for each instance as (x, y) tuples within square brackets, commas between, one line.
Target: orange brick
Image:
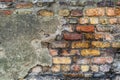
[(61, 60), (98, 36), (110, 11), (99, 44), (85, 28), (53, 52), (90, 52), (113, 20), (95, 12), (79, 44)]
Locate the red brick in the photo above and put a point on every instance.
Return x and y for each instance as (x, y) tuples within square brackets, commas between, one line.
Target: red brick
[(79, 44), (24, 5), (59, 44), (100, 44), (95, 12), (85, 28), (76, 13), (6, 12), (72, 36)]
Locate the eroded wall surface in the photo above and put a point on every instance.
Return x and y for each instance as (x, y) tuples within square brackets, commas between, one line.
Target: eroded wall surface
[(61, 36)]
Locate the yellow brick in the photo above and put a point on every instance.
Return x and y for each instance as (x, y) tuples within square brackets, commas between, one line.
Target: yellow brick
[(100, 44), (61, 60), (90, 52)]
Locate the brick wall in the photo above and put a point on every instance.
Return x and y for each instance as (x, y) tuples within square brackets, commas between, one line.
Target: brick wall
[(88, 32)]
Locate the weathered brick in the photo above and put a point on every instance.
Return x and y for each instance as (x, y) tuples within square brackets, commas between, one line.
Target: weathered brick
[(78, 44), (110, 11), (113, 20), (105, 68), (100, 44), (83, 20), (89, 36), (99, 60), (64, 12), (93, 20), (73, 20), (84, 68), (55, 68), (98, 36), (109, 59), (103, 20), (95, 12), (36, 69), (23, 11), (65, 68), (74, 52), (95, 68), (108, 37), (85, 28), (101, 28), (84, 61), (45, 13), (53, 52), (116, 44), (6, 0), (72, 36), (61, 60), (117, 11), (68, 28), (59, 44), (24, 5), (65, 52), (76, 12), (6, 12), (90, 52), (75, 67)]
